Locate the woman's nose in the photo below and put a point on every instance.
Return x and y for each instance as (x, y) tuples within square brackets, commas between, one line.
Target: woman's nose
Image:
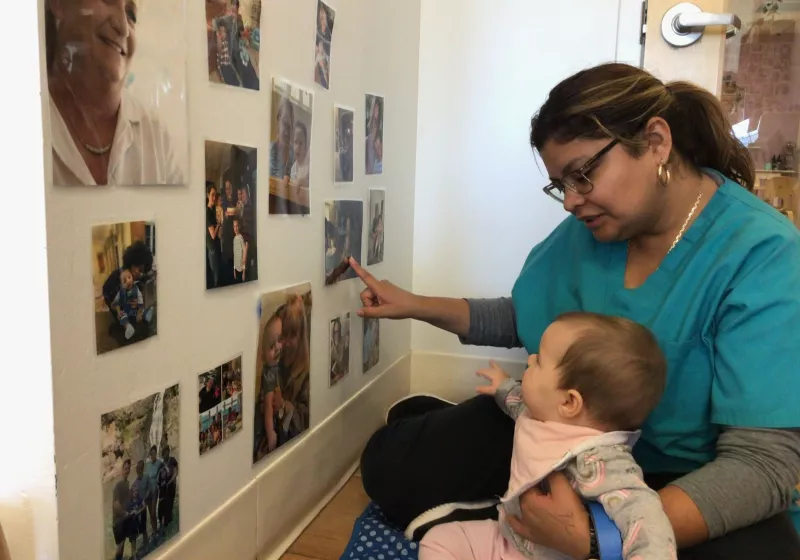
[(572, 200), (119, 19)]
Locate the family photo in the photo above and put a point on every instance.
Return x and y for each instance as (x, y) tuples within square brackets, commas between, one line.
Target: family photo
[(373, 144), (344, 220), (231, 197), (283, 367), (322, 44), (219, 400), (234, 40), (339, 348), (124, 280), (377, 199), (343, 118), (140, 451), (116, 84), (372, 342), (290, 149)]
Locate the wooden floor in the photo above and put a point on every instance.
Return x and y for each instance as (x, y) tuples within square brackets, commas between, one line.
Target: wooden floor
[(327, 536)]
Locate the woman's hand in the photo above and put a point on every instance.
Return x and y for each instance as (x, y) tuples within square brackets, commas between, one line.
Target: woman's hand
[(557, 520), (494, 375), (382, 299)]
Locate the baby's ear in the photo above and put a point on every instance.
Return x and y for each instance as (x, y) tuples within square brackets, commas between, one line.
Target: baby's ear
[(571, 405)]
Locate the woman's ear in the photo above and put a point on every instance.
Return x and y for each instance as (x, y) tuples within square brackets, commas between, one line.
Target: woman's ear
[(659, 138), (571, 404)]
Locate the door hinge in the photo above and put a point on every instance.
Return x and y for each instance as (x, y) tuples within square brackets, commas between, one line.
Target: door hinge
[(643, 22)]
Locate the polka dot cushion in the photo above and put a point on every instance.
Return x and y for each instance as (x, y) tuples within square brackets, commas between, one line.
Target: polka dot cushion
[(375, 539)]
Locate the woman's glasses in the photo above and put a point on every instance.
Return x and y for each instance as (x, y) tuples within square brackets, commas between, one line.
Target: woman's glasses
[(577, 181)]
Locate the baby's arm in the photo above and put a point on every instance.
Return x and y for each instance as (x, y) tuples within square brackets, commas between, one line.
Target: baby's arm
[(509, 398), (121, 315), (611, 476)]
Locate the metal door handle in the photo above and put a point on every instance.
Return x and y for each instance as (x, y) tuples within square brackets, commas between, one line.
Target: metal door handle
[(684, 24)]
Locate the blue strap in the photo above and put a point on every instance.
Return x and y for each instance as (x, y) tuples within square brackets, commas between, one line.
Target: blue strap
[(609, 540)]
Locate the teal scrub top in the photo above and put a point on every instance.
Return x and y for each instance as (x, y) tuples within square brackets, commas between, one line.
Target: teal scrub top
[(724, 306)]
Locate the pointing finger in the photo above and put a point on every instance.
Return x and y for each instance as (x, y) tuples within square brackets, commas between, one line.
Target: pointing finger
[(365, 276)]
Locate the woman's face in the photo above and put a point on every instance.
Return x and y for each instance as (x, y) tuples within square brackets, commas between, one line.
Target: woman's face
[(153, 454), (300, 145), (98, 37), (375, 115), (323, 19), (291, 338)]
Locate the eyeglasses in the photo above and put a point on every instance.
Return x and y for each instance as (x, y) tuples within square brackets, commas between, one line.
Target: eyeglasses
[(577, 181)]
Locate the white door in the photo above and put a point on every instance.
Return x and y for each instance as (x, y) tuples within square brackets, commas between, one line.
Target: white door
[(755, 72)]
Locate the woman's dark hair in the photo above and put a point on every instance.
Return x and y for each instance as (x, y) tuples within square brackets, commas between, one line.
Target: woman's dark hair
[(138, 254), (49, 35), (153, 448), (617, 100)]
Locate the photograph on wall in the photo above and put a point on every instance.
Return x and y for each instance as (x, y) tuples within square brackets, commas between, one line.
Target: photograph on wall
[(124, 279), (373, 148), (219, 399), (344, 221), (283, 366), (322, 44), (233, 29), (372, 343), (290, 148), (343, 118), (231, 198), (377, 200), (339, 348), (140, 452), (117, 92)]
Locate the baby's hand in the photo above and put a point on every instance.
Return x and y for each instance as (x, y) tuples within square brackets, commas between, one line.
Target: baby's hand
[(494, 375)]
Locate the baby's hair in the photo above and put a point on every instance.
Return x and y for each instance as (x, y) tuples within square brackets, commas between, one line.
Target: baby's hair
[(617, 367)]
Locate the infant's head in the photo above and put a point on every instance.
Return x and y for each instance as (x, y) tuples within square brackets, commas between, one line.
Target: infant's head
[(597, 371), (272, 340), (126, 279)]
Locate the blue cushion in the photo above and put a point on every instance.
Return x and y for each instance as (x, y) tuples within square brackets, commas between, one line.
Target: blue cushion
[(374, 538)]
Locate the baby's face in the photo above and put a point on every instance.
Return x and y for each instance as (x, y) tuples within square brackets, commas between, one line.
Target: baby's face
[(274, 343), (540, 391), (299, 144), (126, 279)]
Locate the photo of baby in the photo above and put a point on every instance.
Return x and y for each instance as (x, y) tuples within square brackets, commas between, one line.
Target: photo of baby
[(124, 279), (344, 220), (343, 118), (283, 366), (339, 348), (234, 40), (372, 343), (322, 49), (373, 149), (377, 198), (219, 398), (290, 149), (140, 440), (231, 198)]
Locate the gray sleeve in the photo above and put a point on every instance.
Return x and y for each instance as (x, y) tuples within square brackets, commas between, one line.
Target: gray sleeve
[(752, 478), (509, 398), (492, 322)]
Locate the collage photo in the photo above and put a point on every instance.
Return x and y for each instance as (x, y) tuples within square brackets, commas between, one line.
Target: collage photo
[(220, 404), (322, 44), (234, 42), (344, 221)]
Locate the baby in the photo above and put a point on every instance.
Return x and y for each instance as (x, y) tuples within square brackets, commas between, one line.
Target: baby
[(577, 409), (300, 170), (270, 380), (129, 304)]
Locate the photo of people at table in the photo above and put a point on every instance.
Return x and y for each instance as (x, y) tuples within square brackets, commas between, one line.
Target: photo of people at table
[(344, 220), (372, 344), (373, 144), (233, 30), (231, 198), (343, 118), (116, 87), (322, 45), (339, 348), (283, 366), (124, 284), (377, 199), (290, 149)]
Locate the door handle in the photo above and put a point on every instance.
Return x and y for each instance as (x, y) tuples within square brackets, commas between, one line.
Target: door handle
[(684, 24)]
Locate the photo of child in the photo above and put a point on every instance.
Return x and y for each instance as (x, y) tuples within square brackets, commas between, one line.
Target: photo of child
[(344, 221), (343, 118), (339, 348), (230, 198), (219, 398), (377, 198), (141, 438), (373, 149), (372, 344), (124, 279), (283, 365), (322, 50), (290, 149), (234, 39)]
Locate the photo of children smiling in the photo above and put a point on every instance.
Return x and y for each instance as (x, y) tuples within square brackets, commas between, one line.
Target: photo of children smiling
[(220, 404), (340, 348), (124, 278)]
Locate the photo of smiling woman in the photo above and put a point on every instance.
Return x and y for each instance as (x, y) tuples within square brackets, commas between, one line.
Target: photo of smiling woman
[(116, 82)]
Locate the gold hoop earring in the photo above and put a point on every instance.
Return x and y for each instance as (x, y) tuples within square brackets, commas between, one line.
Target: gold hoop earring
[(664, 176)]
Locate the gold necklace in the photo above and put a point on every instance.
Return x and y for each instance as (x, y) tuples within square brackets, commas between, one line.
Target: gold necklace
[(685, 223), (98, 151)]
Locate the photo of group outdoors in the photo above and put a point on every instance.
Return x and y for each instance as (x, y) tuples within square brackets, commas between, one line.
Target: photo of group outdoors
[(139, 446), (220, 404), (343, 118), (124, 281), (377, 200), (117, 99), (344, 221), (372, 343), (340, 348), (283, 366), (322, 48), (231, 197), (290, 149), (234, 40), (373, 145)]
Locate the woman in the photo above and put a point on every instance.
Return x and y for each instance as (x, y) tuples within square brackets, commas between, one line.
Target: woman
[(663, 231), (296, 363), (151, 468)]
